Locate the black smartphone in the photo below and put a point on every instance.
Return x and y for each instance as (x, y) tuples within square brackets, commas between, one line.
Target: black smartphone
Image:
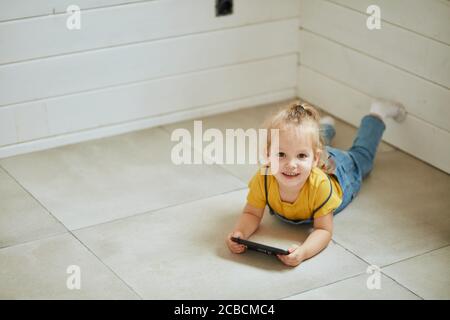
[(260, 247)]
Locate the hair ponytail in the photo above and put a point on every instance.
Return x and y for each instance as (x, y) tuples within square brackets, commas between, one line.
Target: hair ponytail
[(299, 111)]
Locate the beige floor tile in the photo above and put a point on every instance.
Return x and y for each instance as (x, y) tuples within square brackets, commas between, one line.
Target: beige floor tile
[(178, 250), (22, 218), (400, 212), (180, 253), (38, 270), (101, 180), (356, 288), (427, 275)]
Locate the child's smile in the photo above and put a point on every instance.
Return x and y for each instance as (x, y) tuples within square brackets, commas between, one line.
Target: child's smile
[(290, 175)]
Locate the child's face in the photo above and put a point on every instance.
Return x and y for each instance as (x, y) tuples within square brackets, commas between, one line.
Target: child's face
[(295, 157)]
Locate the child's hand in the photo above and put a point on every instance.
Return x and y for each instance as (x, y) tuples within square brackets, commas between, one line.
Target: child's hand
[(294, 258), (233, 246)]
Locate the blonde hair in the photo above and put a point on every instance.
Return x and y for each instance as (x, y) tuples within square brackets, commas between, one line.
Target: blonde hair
[(298, 115)]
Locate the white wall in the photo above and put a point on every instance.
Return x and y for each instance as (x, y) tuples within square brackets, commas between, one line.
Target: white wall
[(343, 65), (136, 64)]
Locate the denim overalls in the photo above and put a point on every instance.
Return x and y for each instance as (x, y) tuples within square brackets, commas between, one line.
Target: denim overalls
[(352, 166)]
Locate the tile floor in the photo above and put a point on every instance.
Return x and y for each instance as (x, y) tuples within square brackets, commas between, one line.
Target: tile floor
[(140, 227)]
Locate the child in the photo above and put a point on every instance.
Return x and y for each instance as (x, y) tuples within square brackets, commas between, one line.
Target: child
[(313, 182)]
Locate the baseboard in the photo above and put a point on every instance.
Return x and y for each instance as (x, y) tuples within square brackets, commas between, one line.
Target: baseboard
[(153, 121)]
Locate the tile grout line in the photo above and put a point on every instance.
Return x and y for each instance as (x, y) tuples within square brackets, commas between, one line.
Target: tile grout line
[(108, 267), (48, 236), (113, 220), (152, 211), (323, 286), (402, 285), (416, 256), (135, 214), (73, 235), (45, 209), (368, 263), (102, 223), (328, 284), (400, 261)]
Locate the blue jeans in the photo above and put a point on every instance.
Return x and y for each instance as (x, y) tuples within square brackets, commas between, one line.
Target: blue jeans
[(353, 165)]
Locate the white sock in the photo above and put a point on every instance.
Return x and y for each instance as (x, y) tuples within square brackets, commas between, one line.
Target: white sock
[(388, 109), (327, 120)]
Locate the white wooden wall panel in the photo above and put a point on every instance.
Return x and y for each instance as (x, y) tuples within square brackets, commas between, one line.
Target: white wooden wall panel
[(73, 73), (409, 51), (18, 9), (240, 85), (343, 66), (422, 98), (136, 64), (8, 131), (415, 136), (171, 94), (110, 130), (430, 18), (138, 22)]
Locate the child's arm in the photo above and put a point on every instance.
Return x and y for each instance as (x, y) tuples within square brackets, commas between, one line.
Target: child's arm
[(247, 224), (249, 220), (315, 243)]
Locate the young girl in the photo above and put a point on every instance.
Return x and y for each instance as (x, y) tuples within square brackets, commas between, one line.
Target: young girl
[(313, 182)]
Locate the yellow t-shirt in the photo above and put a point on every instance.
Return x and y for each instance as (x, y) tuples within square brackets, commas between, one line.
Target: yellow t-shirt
[(313, 193)]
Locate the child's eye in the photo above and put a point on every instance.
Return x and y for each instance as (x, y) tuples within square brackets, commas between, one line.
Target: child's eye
[(302, 155), (280, 154)]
